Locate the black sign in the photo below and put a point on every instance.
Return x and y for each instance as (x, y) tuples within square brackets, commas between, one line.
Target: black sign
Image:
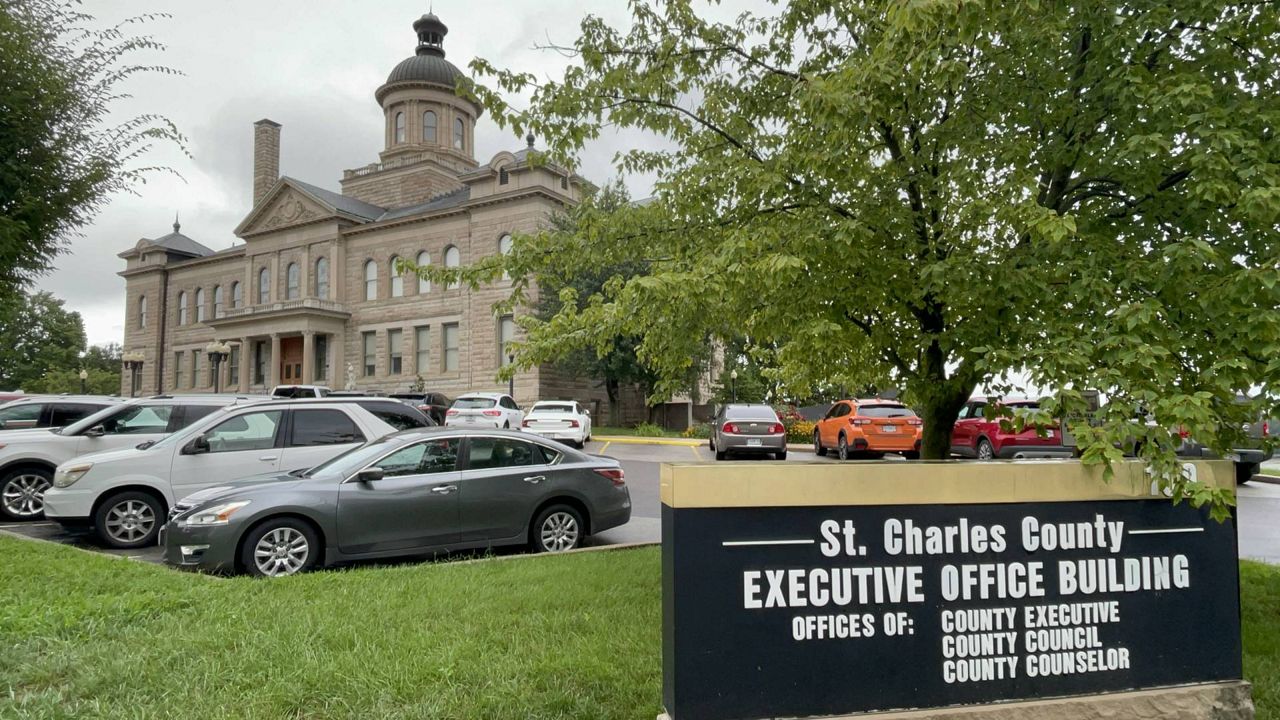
[(797, 611)]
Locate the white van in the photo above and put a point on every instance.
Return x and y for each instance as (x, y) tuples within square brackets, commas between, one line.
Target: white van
[(125, 495)]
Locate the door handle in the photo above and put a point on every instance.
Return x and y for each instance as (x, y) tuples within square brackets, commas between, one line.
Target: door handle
[(269, 458), (535, 479), (444, 489)]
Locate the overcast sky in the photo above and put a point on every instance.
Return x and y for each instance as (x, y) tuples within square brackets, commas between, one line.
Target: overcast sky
[(313, 67)]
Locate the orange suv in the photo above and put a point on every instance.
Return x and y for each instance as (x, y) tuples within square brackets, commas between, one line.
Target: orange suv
[(868, 428)]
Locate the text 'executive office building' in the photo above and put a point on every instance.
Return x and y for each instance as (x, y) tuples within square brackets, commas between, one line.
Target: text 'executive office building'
[(311, 296)]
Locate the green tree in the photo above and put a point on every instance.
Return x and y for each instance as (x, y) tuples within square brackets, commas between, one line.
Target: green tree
[(38, 335), (931, 195), (61, 154)]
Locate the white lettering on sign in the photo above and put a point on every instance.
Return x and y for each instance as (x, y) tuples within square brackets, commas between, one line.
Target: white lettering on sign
[(835, 586), (1071, 536), (904, 537)]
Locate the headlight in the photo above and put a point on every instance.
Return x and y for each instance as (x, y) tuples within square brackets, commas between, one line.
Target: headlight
[(67, 476), (219, 514)]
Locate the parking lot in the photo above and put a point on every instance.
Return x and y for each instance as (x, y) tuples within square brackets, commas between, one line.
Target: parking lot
[(1259, 504)]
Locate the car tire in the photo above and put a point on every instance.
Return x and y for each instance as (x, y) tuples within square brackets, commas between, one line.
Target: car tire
[(842, 447), (1246, 471), (127, 520), (556, 529), (22, 493), (911, 455), (280, 547), (817, 445), (984, 450), (780, 455), (720, 455)]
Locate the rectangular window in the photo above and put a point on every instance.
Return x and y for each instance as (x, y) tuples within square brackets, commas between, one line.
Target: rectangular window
[(259, 363), (322, 357), (233, 367), (195, 369), (395, 360), (506, 333), (177, 370), (370, 354), (421, 349), (450, 347)]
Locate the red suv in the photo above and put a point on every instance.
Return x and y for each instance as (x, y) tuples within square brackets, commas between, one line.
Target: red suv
[(975, 436)]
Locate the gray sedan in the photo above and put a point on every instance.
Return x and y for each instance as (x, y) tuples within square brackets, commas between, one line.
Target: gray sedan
[(410, 493), (748, 430)]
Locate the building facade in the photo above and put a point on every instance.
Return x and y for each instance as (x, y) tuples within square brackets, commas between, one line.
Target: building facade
[(312, 294)]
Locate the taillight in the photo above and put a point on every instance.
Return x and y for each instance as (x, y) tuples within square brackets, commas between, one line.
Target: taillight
[(452, 412), (777, 429), (491, 413), (859, 421), (616, 475), (1184, 433), (729, 429), (1266, 428), (914, 421), (573, 423)]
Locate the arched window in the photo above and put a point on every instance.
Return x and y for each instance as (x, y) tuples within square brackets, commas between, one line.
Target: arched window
[(291, 282), (264, 285), (429, 126), (182, 308), (424, 285), (371, 280), (322, 278), (199, 304), (237, 295), (397, 279), (459, 128), (399, 127), (503, 176), (452, 259), (142, 312), (217, 301), (504, 247)]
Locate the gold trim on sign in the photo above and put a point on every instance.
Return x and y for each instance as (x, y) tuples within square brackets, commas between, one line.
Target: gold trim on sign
[(778, 484)]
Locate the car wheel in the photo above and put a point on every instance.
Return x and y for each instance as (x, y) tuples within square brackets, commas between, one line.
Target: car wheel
[(280, 547), (22, 493), (721, 455), (1246, 471), (130, 519), (781, 455), (556, 529), (842, 447), (985, 451), (817, 445)]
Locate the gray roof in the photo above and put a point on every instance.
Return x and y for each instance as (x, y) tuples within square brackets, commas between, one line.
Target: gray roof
[(426, 68), (179, 243), (340, 202), (439, 202)]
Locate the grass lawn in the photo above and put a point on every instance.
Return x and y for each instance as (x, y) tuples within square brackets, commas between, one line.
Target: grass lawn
[(576, 636), (653, 431)]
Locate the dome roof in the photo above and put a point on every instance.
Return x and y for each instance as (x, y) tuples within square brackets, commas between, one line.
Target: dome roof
[(426, 68)]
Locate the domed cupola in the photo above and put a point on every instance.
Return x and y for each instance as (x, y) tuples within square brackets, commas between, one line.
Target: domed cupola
[(420, 100)]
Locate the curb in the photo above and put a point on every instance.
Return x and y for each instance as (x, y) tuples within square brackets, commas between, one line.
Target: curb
[(632, 440), (1262, 477)]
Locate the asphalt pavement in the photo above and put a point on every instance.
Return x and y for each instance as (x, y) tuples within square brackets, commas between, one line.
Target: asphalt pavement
[(1258, 504)]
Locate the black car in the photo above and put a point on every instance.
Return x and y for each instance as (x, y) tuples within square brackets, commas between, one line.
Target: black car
[(434, 404)]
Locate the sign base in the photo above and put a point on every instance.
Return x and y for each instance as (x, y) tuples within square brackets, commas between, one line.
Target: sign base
[(1219, 701)]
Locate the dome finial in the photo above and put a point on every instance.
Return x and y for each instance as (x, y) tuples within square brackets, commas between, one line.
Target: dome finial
[(176, 225), (529, 139), (431, 34)]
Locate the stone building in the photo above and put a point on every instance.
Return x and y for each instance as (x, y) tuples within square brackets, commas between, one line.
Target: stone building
[(311, 296)]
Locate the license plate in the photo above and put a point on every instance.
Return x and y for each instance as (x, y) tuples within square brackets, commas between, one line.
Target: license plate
[(469, 419), (889, 428), (753, 442)]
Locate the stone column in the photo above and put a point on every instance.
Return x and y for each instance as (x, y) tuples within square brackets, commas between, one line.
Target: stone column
[(308, 357), (246, 364), (338, 361), (274, 374)]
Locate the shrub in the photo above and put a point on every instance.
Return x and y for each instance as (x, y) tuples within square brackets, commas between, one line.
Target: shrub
[(648, 429), (800, 431), (697, 430)]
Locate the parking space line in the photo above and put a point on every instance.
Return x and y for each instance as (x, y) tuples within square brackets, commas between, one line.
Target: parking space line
[(695, 449), (27, 524), (604, 447)]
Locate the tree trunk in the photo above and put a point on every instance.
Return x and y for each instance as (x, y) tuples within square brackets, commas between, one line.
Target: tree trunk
[(942, 398)]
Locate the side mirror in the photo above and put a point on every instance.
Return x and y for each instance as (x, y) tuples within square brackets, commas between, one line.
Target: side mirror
[(372, 474), (144, 445), (197, 446), (95, 431)]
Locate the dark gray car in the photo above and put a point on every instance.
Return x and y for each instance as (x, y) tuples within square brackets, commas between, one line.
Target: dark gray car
[(748, 430), (410, 493)]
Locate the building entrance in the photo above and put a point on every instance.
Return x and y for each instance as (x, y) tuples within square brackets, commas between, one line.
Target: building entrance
[(291, 360)]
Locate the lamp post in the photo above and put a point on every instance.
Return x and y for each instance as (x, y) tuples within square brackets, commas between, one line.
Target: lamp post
[(133, 363), (217, 352), (511, 381), (733, 383), (84, 375)]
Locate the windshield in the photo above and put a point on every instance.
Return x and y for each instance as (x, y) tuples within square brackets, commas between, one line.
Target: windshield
[(352, 460), (885, 411), (473, 403), (552, 408), (91, 420)]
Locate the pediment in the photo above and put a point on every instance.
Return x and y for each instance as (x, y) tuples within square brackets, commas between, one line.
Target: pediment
[(288, 207)]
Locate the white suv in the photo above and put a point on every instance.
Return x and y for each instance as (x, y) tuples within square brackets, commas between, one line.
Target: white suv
[(28, 457), (125, 494), (490, 410)]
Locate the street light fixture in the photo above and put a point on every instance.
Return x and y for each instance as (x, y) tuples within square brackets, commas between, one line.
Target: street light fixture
[(84, 375), (133, 363), (217, 352), (733, 383), (511, 381)]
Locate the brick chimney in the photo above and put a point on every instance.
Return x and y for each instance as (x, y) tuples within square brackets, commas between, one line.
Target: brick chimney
[(266, 157)]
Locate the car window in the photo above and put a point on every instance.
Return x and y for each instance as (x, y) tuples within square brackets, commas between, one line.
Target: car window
[(885, 411), (473, 403), (741, 412), (548, 456), (67, 413), (251, 431), (20, 416), (499, 453), (323, 427), (840, 410), (424, 458), (192, 413), (976, 410), (400, 418), (552, 408), (139, 419)]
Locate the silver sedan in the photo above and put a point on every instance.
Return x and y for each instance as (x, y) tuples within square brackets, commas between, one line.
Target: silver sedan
[(748, 430)]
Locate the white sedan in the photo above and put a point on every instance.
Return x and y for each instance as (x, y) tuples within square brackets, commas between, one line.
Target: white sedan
[(563, 420)]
